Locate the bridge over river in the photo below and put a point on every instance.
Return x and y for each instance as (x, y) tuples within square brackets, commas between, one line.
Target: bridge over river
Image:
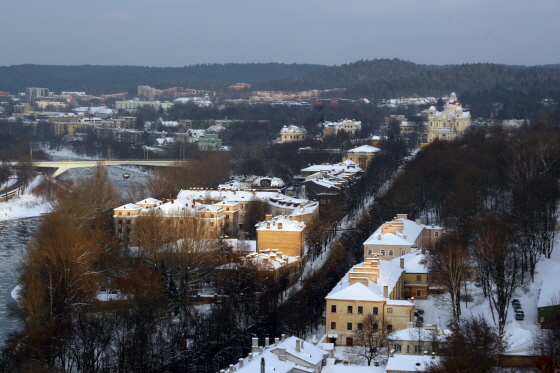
[(63, 166)]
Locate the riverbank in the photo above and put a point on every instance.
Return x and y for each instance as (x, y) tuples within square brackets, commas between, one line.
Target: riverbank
[(26, 205)]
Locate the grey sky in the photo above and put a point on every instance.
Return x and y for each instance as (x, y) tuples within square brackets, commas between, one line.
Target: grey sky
[(184, 32)]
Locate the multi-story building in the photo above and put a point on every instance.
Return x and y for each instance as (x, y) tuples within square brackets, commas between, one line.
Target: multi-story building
[(131, 104), (374, 287), (210, 220), (292, 134), (362, 155), (282, 233), (448, 124), (349, 126), (149, 92), (31, 94), (278, 204), (400, 237)]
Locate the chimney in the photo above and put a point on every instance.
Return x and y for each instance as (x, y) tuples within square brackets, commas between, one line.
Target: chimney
[(240, 363), (379, 237), (402, 263), (385, 291), (261, 350), (418, 221), (276, 341), (267, 217), (282, 354), (279, 225), (231, 368), (267, 342), (282, 337), (302, 344), (297, 346), (250, 356)]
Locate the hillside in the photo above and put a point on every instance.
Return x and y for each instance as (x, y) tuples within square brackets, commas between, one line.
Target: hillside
[(110, 79)]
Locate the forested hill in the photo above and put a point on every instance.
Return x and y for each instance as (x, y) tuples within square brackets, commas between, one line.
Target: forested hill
[(348, 75), (110, 79), (386, 78), (499, 80)]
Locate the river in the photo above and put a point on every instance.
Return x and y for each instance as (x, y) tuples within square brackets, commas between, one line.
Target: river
[(14, 236)]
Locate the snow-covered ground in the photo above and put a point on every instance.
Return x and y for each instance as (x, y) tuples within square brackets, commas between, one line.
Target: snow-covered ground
[(64, 153), (519, 332), (24, 206)]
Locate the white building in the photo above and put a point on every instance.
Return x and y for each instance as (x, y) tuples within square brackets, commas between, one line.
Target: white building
[(292, 133), (448, 124)]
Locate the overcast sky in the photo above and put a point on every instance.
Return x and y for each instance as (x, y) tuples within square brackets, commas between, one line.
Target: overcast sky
[(332, 32)]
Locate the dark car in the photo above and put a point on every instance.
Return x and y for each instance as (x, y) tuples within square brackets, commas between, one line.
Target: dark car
[(420, 311), (519, 315), (515, 301), (420, 319), (419, 324), (516, 307)]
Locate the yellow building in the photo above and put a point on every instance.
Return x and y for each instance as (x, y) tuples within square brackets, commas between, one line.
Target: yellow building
[(292, 134), (374, 287), (211, 219), (281, 233), (448, 124), (362, 155), (400, 237), (348, 126)]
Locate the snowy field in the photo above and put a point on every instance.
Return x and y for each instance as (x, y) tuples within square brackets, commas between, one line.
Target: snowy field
[(24, 206)]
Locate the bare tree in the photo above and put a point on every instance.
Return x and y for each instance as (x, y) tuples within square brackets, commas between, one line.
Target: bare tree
[(449, 259), (472, 346), (371, 340), (499, 264)]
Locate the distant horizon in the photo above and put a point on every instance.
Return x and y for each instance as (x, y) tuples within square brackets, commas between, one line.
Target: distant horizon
[(288, 63)]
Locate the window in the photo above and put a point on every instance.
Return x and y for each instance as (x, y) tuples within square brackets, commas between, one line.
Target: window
[(349, 326), (418, 278), (374, 327), (360, 310), (349, 309), (418, 349), (397, 348), (333, 308), (360, 326), (469, 274), (389, 328), (436, 234), (370, 252), (389, 310), (375, 310), (391, 252), (403, 252), (418, 293), (333, 325), (382, 252)]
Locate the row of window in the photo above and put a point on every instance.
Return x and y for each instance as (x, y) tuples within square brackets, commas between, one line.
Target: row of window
[(350, 309), (360, 326), (382, 252)]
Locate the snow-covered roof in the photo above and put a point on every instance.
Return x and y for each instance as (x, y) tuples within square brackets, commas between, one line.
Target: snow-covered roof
[(281, 222), (410, 363), (346, 166), (129, 206), (388, 275), (410, 232), (413, 263), (550, 289), (364, 149), (307, 359)]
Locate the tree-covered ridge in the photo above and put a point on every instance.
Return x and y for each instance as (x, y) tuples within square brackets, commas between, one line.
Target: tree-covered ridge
[(348, 75), (96, 79), (472, 78)]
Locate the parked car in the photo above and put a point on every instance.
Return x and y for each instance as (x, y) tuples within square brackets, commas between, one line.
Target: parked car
[(519, 315), (515, 301), (419, 324), (516, 307), (545, 325), (420, 311), (420, 318)]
